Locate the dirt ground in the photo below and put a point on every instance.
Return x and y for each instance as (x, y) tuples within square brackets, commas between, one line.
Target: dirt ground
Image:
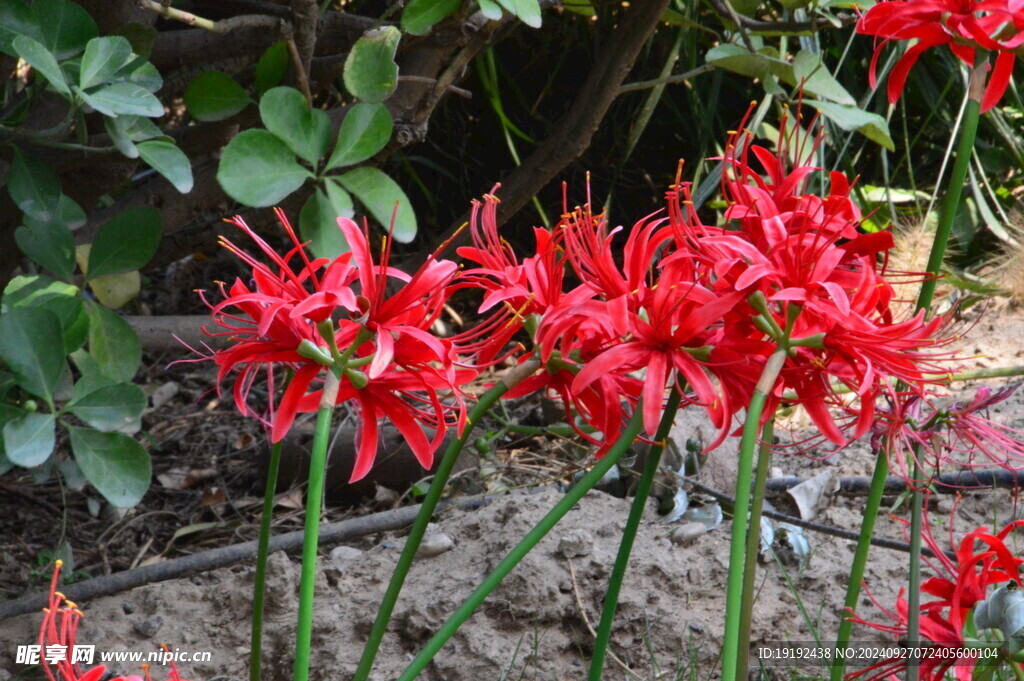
[(536, 626)]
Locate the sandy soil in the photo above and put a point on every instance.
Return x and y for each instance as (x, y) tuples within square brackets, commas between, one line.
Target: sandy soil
[(536, 626)]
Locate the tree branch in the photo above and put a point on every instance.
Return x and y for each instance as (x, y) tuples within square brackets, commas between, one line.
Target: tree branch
[(785, 27), (304, 21), (572, 134)]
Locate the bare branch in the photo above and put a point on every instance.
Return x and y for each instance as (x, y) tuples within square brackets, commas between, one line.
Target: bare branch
[(221, 27), (304, 20), (785, 27)]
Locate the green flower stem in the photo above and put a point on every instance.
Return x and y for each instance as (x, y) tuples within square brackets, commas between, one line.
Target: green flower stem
[(636, 513), (860, 559), (534, 536), (957, 177), (947, 211), (732, 647), (262, 551), (314, 494), (914, 585), (419, 528), (764, 457)]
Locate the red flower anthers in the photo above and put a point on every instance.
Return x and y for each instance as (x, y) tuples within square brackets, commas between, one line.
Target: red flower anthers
[(960, 583), (964, 25), (338, 316), (57, 633)]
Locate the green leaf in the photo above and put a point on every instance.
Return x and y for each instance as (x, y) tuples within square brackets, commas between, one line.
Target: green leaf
[(112, 407), (214, 96), (60, 298), (420, 16), (42, 60), (379, 194), (371, 73), (528, 11), (49, 244), (34, 187), (113, 344), (140, 72), (123, 98), (364, 131), (116, 465), (306, 131), (26, 346), (126, 242), (102, 59), (809, 70), (258, 169), (116, 128), (318, 222), (29, 440), (66, 26), (16, 18), (850, 118), (272, 66), (490, 9), (168, 160)]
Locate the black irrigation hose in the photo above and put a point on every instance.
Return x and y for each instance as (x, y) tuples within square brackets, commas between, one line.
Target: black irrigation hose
[(948, 483), (332, 533), (881, 542)]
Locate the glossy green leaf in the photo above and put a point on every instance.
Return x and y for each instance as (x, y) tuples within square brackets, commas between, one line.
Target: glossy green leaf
[(109, 408), (42, 60), (850, 118), (419, 16), (380, 194), (34, 186), (16, 18), (49, 244), (102, 59), (272, 66), (258, 169), (371, 73), (168, 160), (528, 11), (307, 132), (126, 242), (29, 439), (214, 96), (365, 130), (141, 73), (62, 299), (123, 98), (113, 344), (27, 347), (66, 27), (318, 222), (116, 465)]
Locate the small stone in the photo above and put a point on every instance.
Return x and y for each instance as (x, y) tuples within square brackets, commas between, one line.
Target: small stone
[(434, 544), (148, 628), (688, 533), (341, 556), (127, 608), (576, 544)]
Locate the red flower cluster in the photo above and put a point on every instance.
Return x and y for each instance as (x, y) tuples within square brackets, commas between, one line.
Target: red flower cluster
[(317, 315), (964, 25), (961, 582), (57, 633), (706, 306)]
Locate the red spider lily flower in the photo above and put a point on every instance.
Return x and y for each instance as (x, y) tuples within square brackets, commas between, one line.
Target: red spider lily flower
[(522, 289), (961, 582), (58, 631), (394, 367), (964, 25)]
